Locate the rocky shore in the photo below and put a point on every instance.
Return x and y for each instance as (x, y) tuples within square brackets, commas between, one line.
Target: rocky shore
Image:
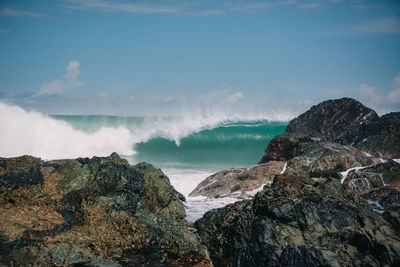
[(92, 212), (335, 203), (328, 195)]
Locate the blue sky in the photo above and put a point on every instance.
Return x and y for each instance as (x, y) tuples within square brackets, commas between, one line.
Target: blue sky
[(162, 57)]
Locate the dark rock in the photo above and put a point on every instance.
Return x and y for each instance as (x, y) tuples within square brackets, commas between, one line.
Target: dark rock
[(348, 122), (340, 120), (98, 262), (312, 157), (375, 176), (92, 212), (284, 147), (19, 171), (382, 137), (297, 222), (389, 199)]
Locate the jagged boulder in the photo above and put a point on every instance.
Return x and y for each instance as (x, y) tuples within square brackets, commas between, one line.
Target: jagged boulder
[(382, 136), (340, 120), (348, 122), (92, 211), (300, 222)]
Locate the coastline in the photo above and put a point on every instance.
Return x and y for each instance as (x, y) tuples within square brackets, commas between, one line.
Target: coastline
[(323, 201)]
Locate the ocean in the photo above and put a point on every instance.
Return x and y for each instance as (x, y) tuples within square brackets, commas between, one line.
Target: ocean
[(187, 148)]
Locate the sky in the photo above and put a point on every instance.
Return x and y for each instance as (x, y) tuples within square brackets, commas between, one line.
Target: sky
[(172, 56)]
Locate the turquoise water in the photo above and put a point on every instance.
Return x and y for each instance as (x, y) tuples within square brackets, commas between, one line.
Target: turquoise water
[(233, 145), (175, 142)]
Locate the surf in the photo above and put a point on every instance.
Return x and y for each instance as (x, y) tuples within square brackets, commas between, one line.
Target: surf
[(186, 139)]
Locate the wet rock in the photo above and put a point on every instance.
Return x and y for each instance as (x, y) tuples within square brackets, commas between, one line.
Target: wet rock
[(19, 171), (375, 176), (340, 120), (313, 157), (389, 199), (238, 180), (299, 222), (284, 147), (382, 136), (68, 212)]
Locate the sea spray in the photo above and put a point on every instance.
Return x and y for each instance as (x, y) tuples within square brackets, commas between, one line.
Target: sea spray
[(36, 134)]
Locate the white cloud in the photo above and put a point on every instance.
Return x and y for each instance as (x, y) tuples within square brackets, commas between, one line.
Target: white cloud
[(19, 13), (394, 96), (69, 81), (368, 92), (107, 6), (144, 7)]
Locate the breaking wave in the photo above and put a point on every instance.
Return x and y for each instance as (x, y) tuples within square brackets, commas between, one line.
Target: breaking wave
[(190, 138)]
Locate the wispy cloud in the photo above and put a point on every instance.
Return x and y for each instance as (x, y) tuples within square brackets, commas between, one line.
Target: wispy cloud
[(108, 6), (382, 26), (371, 95), (19, 13), (69, 81), (195, 8), (362, 4), (310, 5), (167, 7), (368, 92), (389, 25), (251, 6)]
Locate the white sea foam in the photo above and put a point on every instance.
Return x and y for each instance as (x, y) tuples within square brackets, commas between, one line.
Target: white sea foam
[(255, 191), (345, 173), (35, 134), (185, 180), (284, 168)]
